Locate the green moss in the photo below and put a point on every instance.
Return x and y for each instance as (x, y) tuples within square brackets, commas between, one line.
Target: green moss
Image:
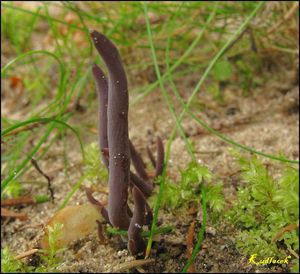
[(263, 207), (50, 258), (94, 170), (9, 264), (186, 192)]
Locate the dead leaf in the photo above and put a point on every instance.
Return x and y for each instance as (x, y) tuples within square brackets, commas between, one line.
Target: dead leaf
[(8, 213), (18, 201)]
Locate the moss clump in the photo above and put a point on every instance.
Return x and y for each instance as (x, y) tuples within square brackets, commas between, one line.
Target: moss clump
[(186, 192), (264, 207), (94, 170)]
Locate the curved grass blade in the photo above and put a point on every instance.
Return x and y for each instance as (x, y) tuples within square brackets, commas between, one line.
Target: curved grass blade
[(71, 193), (43, 120), (29, 53)]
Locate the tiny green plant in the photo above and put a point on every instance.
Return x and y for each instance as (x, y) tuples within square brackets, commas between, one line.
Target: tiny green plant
[(94, 170), (14, 190), (9, 264), (265, 207), (186, 191), (49, 256)]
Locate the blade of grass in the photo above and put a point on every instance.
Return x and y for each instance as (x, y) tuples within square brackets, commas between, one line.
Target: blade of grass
[(219, 54), (43, 120), (87, 14), (78, 84), (30, 53), (42, 153), (160, 230), (182, 72), (165, 93), (31, 28), (71, 193)]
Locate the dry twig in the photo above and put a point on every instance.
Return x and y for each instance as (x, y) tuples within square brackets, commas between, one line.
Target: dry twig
[(35, 164), (27, 253), (288, 228), (22, 200), (8, 213), (189, 246)]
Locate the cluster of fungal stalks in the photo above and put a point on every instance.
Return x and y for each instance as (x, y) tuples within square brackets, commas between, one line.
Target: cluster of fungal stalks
[(117, 150)]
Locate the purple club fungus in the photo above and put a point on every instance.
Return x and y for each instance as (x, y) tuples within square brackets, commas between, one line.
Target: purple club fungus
[(102, 90), (135, 241), (117, 150)]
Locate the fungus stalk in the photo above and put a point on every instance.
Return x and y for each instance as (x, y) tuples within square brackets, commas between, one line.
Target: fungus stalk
[(118, 142), (117, 150)]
